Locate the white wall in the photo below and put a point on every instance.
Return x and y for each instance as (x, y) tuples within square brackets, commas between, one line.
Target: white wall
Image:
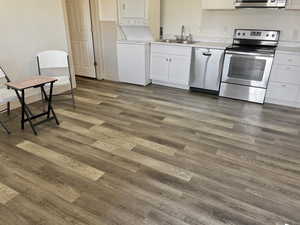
[(221, 23), (108, 10), (175, 13), (109, 32), (27, 27)]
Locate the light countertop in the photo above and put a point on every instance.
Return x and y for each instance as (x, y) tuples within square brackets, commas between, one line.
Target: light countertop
[(290, 49), (200, 44)]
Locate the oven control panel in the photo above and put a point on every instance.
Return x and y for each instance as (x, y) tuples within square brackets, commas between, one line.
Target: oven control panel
[(262, 35)]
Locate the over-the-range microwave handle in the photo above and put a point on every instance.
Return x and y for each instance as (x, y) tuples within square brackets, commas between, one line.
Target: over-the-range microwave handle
[(249, 54)]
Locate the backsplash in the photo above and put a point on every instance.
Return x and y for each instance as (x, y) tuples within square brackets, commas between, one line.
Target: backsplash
[(219, 24), (223, 23)]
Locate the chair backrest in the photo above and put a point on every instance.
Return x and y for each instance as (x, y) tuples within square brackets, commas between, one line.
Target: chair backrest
[(53, 59), (3, 75)]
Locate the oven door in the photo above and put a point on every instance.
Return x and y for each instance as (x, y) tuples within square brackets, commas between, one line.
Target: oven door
[(259, 3), (246, 68)]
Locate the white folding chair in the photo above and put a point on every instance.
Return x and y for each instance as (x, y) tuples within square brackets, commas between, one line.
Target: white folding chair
[(6, 95), (57, 64)]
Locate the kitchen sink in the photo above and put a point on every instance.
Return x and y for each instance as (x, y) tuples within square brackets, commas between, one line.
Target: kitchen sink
[(177, 41)]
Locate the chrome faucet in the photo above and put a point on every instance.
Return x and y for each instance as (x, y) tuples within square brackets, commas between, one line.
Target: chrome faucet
[(182, 32)]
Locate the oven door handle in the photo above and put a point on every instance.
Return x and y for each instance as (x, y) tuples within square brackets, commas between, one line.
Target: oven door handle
[(249, 54)]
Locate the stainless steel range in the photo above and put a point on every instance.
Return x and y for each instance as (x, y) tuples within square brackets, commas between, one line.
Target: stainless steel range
[(248, 63)]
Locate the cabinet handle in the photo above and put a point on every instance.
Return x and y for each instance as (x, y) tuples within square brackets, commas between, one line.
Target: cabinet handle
[(167, 59), (170, 60), (124, 6)]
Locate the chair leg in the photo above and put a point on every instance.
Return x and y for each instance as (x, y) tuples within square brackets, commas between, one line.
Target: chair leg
[(4, 127), (73, 98), (8, 108), (43, 101), (71, 82)]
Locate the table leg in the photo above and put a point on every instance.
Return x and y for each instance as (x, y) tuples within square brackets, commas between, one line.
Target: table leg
[(49, 100), (23, 110), (5, 128)]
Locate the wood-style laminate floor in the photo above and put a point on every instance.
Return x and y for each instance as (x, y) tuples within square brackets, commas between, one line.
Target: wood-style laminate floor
[(130, 155)]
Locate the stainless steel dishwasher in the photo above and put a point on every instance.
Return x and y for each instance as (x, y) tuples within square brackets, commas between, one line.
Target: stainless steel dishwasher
[(206, 70)]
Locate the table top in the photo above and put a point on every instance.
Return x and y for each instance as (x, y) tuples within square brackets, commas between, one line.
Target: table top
[(35, 81)]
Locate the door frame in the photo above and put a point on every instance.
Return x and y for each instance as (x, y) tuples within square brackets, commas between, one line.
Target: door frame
[(96, 34)]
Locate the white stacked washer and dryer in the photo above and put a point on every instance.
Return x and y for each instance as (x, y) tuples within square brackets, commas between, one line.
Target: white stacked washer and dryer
[(134, 55), (139, 25)]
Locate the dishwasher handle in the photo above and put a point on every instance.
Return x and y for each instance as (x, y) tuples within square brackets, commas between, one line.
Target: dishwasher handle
[(207, 54)]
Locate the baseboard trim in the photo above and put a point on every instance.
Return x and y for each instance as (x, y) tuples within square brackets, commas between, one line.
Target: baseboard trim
[(185, 87)]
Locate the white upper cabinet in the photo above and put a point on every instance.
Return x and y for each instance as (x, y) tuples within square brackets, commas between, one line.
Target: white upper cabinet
[(293, 4), (217, 4)]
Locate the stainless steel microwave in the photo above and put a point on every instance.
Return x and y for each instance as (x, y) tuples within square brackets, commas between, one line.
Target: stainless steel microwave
[(260, 3)]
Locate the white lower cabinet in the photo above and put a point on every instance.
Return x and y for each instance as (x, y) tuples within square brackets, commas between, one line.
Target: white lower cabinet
[(159, 67), (170, 65), (287, 74), (283, 91), (293, 4), (179, 70), (284, 86)]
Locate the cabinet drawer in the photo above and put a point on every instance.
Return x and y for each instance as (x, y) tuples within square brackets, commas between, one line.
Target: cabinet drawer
[(286, 74), (171, 49), (287, 59), (281, 91)]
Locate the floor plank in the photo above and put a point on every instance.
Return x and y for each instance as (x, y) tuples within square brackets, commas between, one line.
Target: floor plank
[(131, 155), (61, 160), (6, 194)]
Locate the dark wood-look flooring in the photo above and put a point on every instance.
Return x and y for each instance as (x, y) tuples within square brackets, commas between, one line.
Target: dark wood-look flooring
[(130, 155)]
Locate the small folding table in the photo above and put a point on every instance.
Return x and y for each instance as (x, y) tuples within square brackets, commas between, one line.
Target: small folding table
[(34, 82)]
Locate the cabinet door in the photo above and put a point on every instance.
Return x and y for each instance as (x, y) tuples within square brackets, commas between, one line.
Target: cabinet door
[(285, 74), (282, 91), (132, 9), (217, 4), (160, 67), (293, 4), (179, 70)]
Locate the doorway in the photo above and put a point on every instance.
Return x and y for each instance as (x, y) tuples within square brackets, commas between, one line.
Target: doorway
[(79, 15)]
